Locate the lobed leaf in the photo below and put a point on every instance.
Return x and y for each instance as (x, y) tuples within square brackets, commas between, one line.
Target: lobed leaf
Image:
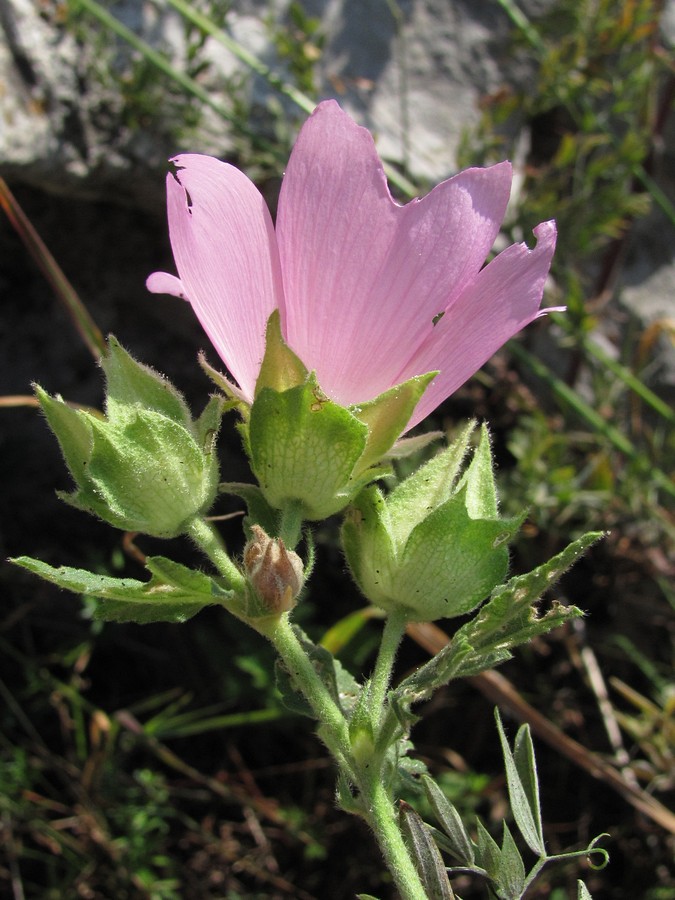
[(524, 799), (510, 880), (173, 594)]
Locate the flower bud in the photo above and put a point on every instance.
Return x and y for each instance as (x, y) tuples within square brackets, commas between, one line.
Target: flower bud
[(434, 547), (145, 466), (275, 573)]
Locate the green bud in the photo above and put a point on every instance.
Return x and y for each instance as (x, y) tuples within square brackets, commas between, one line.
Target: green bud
[(307, 451), (144, 466), (435, 546)]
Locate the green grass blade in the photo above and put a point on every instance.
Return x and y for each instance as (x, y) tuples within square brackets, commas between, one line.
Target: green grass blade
[(631, 381), (568, 397)]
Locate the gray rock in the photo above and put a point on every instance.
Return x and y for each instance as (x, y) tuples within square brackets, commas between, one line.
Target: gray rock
[(412, 72)]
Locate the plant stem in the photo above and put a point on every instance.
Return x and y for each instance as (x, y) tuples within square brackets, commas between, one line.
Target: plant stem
[(383, 820), (394, 627), (207, 538), (333, 725)]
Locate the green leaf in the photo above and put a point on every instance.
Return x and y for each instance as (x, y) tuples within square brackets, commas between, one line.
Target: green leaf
[(510, 617), (507, 620), (173, 594), (345, 629), (527, 818), (419, 686), (427, 488), (510, 880), (583, 892), (386, 417), (487, 851), (425, 853), (281, 368), (523, 754), (72, 429), (130, 385), (461, 845), (481, 490)]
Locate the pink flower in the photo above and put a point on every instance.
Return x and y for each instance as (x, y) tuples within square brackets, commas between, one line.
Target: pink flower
[(370, 293)]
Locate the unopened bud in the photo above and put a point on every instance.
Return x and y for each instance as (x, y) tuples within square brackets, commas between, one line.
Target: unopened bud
[(275, 573)]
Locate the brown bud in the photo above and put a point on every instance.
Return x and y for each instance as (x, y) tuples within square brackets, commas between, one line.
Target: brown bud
[(275, 572)]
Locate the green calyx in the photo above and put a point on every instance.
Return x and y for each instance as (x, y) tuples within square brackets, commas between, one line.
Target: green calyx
[(436, 546), (307, 451), (146, 465)]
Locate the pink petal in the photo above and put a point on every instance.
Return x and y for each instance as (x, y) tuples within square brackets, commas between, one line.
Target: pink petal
[(363, 276), (225, 252), (503, 298), (163, 283)]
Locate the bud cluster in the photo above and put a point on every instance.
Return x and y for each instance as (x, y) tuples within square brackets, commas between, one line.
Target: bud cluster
[(146, 465)]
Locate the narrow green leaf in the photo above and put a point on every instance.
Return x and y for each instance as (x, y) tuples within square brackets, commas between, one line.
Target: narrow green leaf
[(523, 754), (481, 490), (487, 851), (583, 892), (131, 385), (408, 445), (526, 820), (508, 619), (440, 670), (346, 628), (461, 845), (281, 368), (387, 415), (426, 855), (510, 881), (427, 488)]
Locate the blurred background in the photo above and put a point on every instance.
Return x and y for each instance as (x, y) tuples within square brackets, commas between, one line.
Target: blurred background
[(158, 761)]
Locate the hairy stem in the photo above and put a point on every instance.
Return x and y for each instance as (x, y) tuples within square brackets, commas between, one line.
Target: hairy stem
[(383, 820), (394, 627), (206, 537), (333, 727)]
